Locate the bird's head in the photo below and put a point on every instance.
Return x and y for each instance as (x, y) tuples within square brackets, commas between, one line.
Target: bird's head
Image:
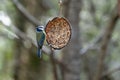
[(39, 28)]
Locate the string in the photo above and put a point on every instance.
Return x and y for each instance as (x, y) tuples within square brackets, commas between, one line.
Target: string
[(60, 3)]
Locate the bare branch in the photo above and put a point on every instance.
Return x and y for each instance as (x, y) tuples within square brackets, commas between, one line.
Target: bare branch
[(111, 72), (91, 45), (105, 41), (54, 64), (23, 36), (118, 6), (93, 12), (25, 13)]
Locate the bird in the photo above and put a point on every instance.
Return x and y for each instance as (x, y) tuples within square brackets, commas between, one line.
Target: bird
[(40, 37)]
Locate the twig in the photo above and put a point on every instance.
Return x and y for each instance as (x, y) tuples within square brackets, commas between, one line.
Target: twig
[(118, 6), (91, 45), (54, 64), (105, 41), (93, 13), (60, 2), (25, 13), (23, 36), (111, 72)]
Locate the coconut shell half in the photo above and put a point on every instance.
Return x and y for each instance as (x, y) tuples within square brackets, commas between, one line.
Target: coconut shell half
[(58, 32)]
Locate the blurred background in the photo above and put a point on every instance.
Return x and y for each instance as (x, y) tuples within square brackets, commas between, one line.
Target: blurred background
[(92, 53)]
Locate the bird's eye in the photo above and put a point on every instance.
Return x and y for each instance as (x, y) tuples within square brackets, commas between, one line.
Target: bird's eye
[(39, 29)]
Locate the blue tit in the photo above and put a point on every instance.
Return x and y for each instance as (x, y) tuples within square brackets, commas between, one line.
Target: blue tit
[(40, 36)]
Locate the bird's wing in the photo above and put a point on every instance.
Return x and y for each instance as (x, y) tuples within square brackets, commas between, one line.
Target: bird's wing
[(40, 38)]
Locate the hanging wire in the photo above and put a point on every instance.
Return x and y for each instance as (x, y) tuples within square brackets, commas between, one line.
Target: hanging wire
[(60, 3)]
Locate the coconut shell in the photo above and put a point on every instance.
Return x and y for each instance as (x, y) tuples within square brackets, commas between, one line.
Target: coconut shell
[(58, 32)]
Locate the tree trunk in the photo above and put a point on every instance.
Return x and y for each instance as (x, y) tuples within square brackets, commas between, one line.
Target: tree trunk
[(71, 54)]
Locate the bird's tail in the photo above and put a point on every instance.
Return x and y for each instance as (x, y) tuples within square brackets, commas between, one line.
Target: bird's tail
[(39, 52)]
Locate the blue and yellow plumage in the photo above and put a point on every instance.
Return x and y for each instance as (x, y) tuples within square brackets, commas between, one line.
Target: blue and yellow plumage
[(40, 35)]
